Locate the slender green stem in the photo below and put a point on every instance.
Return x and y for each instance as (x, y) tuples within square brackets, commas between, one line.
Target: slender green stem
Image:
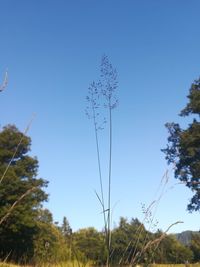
[(99, 166), (109, 183), (100, 178)]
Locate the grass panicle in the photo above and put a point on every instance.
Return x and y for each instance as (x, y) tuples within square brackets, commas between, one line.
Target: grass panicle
[(102, 94)]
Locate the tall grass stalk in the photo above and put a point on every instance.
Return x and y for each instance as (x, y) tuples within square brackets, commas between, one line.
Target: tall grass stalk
[(109, 86), (92, 113), (104, 91), (109, 179)]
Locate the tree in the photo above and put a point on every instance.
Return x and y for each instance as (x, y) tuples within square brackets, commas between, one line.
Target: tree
[(195, 246), (183, 149), (129, 239), (172, 251), (49, 243), (21, 195), (66, 229), (89, 246)]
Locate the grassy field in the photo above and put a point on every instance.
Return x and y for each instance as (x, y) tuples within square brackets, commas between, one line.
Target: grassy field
[(76, 264)]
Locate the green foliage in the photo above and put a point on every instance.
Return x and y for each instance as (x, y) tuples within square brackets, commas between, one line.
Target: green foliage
[(28, 233), (130, 243), (183, 149), (66, 230), (89, 245), (193, 107), (172, 251), (124, 239), (49, 244), (19, 228)]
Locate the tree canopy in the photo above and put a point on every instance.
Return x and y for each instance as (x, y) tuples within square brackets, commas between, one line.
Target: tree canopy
[(21, 194), (183, 149)]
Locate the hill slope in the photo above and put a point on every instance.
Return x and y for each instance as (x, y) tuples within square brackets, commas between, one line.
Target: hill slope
[(185, 237)]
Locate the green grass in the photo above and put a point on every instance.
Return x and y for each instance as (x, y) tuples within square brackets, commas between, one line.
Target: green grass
[(64, 264)]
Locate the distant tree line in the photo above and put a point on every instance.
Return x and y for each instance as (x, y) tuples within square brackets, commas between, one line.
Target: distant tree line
[(29, 235)]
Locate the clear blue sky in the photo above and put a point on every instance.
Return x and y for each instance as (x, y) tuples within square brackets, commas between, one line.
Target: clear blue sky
[(52, 49)]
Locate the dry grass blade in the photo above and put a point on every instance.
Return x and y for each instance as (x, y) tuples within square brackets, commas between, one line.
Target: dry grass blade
[(15, 203), (5, 260), (162, 187), (154, 242), (139, 231), (159, 239)]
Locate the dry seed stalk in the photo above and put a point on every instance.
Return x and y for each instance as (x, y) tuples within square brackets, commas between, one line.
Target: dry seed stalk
[(15, 203), (5, 82)]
